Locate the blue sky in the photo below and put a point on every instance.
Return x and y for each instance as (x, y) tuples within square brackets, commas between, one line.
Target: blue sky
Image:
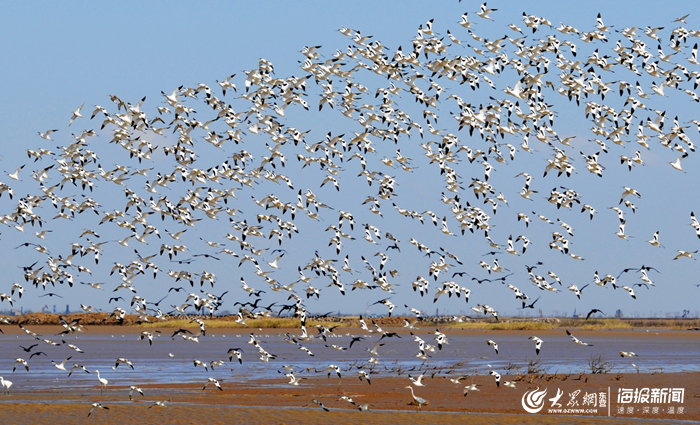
[(61, 55)]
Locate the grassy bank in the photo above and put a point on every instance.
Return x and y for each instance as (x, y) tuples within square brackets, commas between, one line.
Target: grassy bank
[(504, 324)]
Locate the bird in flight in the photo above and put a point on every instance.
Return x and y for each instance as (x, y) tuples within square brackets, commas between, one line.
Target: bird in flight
[(576, 340)]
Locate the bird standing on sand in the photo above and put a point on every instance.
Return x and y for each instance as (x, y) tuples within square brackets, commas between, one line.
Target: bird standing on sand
[(420, 401)]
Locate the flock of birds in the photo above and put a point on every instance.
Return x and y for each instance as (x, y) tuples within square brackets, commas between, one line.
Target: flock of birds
[(200, 164)]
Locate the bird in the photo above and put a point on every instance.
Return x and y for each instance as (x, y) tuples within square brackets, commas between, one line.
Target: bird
[(158, 404), (686, 254), (418, 382), (630, 291), (677, 163), (576, 340), (293, 379), (593, 311), (76, 114), (654, 241), (420, 401), (22, 362), (497, 376), (134, 388), (6, 384), (15, 174), (471, 387), (325, 409), (62, 365), (125, 361), (682, 19), (96, 406), (484, 12), (244, 163), (77, 366), (200, 363), (576, 290), (47, 134), (28, 349), (103, 381), (538, 344), (213, 381), (235, 352), (147, 335), (627, 354)]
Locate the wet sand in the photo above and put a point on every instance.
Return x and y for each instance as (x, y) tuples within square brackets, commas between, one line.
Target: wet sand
[(251, 400), (68, 414), (272, 401)]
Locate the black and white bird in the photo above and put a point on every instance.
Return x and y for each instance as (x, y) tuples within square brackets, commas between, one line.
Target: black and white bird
[(576, 340), (493, 344), (497, 376), (538, 344), (96, 406)]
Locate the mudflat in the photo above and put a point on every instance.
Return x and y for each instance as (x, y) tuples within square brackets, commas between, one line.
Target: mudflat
[(257, 392), (273, 401)]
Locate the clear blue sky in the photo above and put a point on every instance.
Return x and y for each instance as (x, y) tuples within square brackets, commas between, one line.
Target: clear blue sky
[(58, 56)]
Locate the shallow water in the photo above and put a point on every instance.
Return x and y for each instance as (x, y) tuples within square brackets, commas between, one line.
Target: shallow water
[(467, 352)]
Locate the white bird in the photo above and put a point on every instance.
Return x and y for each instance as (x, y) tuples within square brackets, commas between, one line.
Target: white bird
[(47, 134), (158, 404), (677, 163), (5, 385), (417, 381), (62, 365), (484, 12), (293, 380), (655, 240), (471, 387), (76, 114), (102, 380), (687, 254), (15, 175), (576, 340), (464, 22)]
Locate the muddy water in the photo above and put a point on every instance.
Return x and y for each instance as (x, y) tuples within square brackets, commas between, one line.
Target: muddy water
[(165, 371), (170, 360)]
